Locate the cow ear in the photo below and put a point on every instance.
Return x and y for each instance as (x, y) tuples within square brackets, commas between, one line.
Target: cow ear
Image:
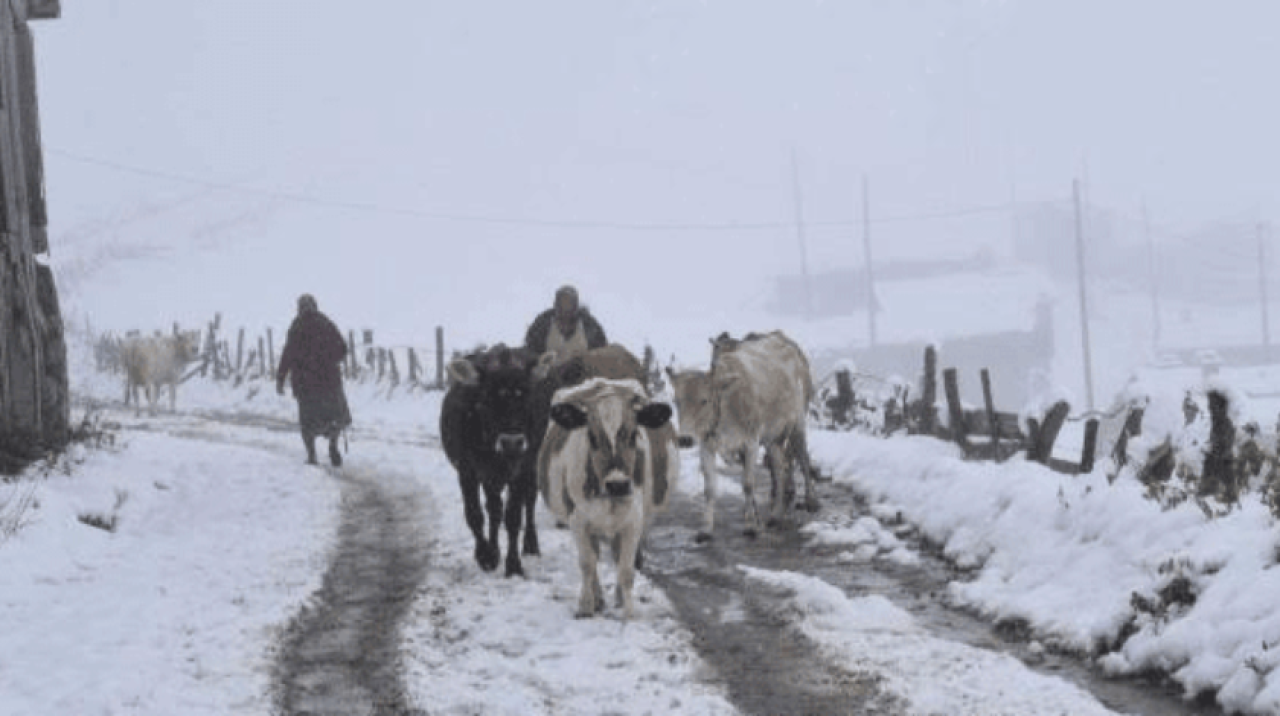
[(568, 416), (463, 372), (654, 415), (542, 368)]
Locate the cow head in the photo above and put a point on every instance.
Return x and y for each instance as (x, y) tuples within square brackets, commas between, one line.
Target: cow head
[(502, 380), (187, 345), (612, 412), (694, 403)]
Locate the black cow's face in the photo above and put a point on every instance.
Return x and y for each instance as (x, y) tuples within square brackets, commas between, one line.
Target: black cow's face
[(612, 424), (504, 403), (503, 379)]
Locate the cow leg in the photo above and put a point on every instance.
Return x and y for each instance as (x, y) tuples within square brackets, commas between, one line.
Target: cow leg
[(707, 460), (591, 597), (470, 484), (799, 445), (783, 491), (530, 528), (751, 514), (173, 396), (626, 554), (493, 505), (515, 513)]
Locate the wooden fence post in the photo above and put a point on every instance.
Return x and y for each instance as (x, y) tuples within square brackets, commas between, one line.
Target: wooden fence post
[(1132, 427), (843, 407), (1090, 446), (262, 357), (440, 357), (928, 417), (955, 410), (352, 372), (992, 421), (1044, 435), (271, 353), (240, 352), (1219, 473), (210, 352), (414, 367)]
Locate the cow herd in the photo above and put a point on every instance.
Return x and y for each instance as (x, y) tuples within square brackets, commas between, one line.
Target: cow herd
[(587, 435)]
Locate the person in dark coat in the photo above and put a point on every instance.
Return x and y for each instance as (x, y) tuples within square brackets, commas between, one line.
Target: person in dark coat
[(566, 328), (312, 360)]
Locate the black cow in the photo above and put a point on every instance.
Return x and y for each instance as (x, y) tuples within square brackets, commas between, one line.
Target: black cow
[(486, 428)]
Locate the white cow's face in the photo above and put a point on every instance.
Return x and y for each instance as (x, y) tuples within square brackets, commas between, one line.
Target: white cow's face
[(693, 398), (612, 424)]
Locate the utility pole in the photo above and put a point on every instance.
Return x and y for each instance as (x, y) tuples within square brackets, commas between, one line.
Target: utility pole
[(1084, 305), (1154, 279), (866, 253), (1262, 290), (804, 253)]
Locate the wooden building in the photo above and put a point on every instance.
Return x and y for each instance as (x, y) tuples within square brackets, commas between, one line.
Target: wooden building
[(34, 395)]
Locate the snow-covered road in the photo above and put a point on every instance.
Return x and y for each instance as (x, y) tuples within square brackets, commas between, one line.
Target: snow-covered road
[(223, 541)]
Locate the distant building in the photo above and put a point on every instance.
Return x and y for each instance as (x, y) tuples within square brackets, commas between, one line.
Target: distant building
[(34, 397), (978, 315), (831, 293)]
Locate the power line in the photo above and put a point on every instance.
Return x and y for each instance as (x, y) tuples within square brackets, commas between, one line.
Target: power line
[(372, 207)]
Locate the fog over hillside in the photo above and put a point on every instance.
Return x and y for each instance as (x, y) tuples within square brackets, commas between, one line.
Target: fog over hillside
[(423, 164)]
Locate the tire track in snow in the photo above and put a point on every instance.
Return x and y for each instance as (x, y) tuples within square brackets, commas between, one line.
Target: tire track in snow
[(340, 654), (766, 666)]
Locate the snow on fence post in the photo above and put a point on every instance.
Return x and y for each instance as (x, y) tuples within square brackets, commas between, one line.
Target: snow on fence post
[(1132, 427)]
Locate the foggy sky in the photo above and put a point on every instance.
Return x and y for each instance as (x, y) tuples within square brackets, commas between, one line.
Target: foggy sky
[(563, 132)]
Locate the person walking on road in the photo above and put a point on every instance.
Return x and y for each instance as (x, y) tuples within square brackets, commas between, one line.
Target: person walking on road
[(312, 360)]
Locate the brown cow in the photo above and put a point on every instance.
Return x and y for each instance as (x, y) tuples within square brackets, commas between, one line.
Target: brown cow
[(606, 466), (756, 394)]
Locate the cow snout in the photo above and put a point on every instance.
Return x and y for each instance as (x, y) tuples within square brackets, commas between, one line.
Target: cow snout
[(685, 441), (512, 444), (617, 488)]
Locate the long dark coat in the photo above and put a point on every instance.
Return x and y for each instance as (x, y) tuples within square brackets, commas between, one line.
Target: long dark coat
[(312, 360)]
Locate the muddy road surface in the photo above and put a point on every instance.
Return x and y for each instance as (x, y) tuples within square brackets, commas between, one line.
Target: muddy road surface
[(340, 655), (769, 668)]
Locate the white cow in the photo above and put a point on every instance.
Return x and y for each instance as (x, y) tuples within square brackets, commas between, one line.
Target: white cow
[(756, 394), (607, 465), (154, 362)]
